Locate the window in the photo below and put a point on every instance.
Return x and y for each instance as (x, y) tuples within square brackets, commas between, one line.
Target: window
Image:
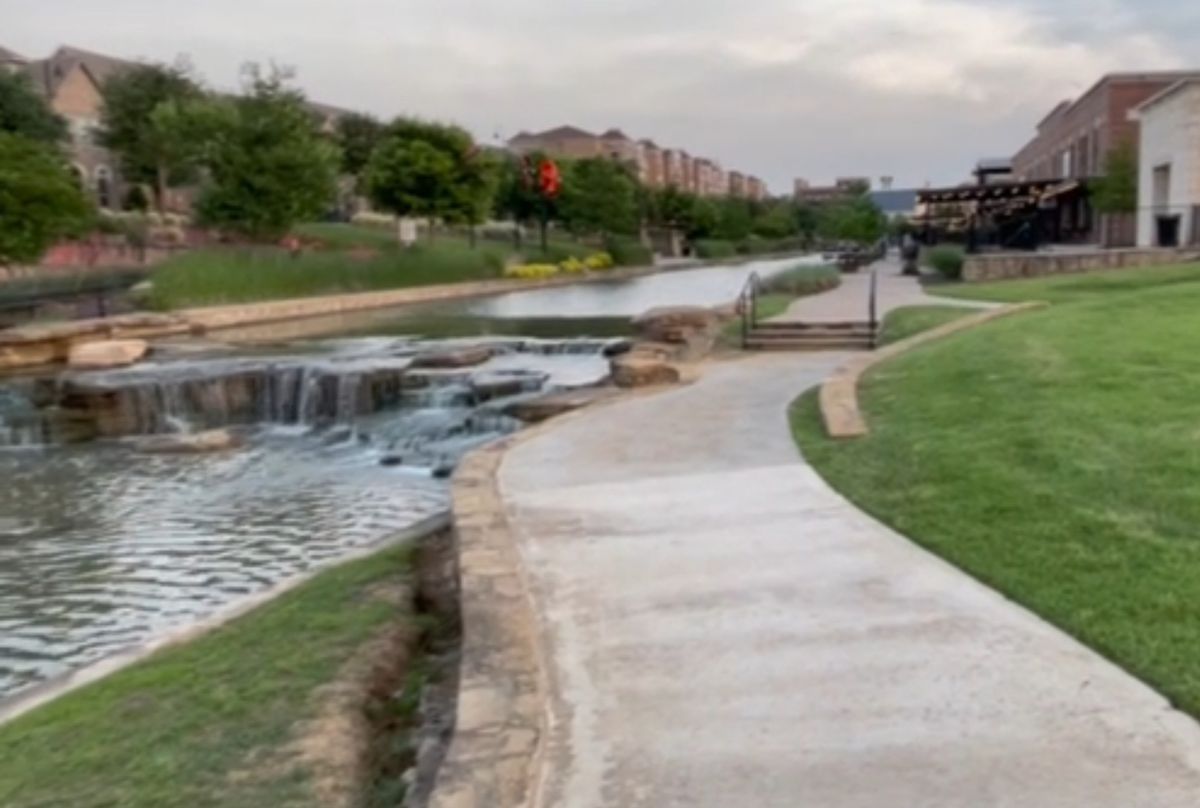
[(1162, 188), (103, 177)]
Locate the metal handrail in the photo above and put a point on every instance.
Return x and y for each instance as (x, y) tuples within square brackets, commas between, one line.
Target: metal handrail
[(748, 306), (872, 307)]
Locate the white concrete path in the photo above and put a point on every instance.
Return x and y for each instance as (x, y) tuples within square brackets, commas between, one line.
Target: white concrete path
[(849, 301), (724, 630)]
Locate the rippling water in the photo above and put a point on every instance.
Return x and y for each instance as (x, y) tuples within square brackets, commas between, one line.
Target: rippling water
[(103, 548)]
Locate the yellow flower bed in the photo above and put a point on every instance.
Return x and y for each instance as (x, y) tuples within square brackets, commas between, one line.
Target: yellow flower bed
[(600, 260), (531, 272), (573, 266)]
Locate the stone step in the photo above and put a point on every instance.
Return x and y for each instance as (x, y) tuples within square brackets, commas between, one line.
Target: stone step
[(810, 343)]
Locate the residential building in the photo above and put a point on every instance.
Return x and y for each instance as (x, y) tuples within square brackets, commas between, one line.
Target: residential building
[(756, 189), (651, 164), (569, 142), (737, 184), (70, 80), (1169, 167)]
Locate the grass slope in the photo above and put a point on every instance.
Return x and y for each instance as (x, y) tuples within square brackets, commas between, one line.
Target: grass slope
[(1053, 456), (202, 724), (909, 321), (1068, 288)]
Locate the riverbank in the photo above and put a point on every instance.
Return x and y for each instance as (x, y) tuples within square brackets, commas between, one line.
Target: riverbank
[(282, 706)]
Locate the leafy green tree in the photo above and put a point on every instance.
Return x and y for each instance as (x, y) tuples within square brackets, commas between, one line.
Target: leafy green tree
[(1116, 191), (518, 197), (269, 166), (599, 196), (857, 220), (40, 201), (805, 219), (155, 152), (775, 222), (432, 171), (735, 220), (24, 112), (358, 135)]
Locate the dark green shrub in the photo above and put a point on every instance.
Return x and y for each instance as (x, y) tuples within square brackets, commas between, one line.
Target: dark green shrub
[(629, 252), (714, 248), (803, 280), (947, 260)]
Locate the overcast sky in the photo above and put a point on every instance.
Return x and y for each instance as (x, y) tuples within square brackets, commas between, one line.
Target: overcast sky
[(917, 89)]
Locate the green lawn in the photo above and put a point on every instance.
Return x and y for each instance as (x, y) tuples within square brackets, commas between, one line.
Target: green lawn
[(902, 323), (1066, 288), (1054, 455), (207, 723)]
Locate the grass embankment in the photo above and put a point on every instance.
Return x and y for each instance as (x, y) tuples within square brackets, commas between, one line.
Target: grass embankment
[(903, 323), (1068, 288), (215, 722), (778, 291), (350, 258), (1053, 456)]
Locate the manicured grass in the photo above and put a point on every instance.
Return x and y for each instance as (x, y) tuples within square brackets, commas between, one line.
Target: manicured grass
[(207, 723), (911, 320), (210, 277), (1054, 456), (344, 236), (1065, 288)]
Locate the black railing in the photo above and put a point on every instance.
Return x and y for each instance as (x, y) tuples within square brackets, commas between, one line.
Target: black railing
[(748, 306), (872, 308)]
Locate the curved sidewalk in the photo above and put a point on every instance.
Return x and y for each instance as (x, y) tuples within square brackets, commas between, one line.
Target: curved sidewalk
[(849, 300), (722, 629)]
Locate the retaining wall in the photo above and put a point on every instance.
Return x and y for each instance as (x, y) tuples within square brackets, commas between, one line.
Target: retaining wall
[(1035, 265)]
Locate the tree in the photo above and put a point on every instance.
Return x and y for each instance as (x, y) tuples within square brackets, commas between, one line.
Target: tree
[(268, 163), (775, 222), (432, 171), (599, 196), (1116, 191), (23, 112), (159, 155), (358, 135), (518, 196), (40, 201), (857, 220), (735, 219)]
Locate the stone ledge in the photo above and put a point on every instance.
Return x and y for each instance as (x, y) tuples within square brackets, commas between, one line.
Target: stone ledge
[(839, 394)]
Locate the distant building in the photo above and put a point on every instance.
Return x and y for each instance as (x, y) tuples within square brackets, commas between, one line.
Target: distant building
[(895, 203), (1169, 167), (737, 184), (756, 189), (563, 141), (842, 188)]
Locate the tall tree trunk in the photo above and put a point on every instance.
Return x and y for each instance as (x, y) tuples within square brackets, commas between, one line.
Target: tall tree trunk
[(471, 235), (543, 224)]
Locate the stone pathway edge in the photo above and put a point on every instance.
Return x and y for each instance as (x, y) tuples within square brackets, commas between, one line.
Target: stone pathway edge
[(840, 411)]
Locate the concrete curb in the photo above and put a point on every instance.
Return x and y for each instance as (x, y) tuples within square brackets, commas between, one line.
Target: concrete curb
[(840, 410)]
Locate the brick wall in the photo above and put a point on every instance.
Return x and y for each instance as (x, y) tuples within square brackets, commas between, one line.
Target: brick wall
[(1037, 265)]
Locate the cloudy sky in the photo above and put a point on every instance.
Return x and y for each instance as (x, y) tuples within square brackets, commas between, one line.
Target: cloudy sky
[(916, 89)]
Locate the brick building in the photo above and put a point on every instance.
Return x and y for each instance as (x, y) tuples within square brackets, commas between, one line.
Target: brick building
[(656, 167), (756, 189), (1073, 143), (842, 188)]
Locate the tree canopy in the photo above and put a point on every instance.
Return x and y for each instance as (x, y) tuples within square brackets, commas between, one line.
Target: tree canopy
[(143, 123), (269, 166), (432, 171), (40, 201), (358, 135), (24, 112), (1116, 191), (599, 196), (858, 220)]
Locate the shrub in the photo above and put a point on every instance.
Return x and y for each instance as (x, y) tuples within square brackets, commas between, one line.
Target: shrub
[(803, 280), (531, 272), (573, 266), (947, 260), (599, 261), (629, 252), (714, 248)]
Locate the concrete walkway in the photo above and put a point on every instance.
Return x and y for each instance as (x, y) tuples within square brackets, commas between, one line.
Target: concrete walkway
[(849, 301), (724, 630)]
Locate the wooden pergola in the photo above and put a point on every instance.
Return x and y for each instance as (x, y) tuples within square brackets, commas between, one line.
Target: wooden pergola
[(1022, 214)]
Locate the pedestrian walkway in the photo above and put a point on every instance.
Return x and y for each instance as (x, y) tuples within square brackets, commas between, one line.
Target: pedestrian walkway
[(849, 301), (723, 629)]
